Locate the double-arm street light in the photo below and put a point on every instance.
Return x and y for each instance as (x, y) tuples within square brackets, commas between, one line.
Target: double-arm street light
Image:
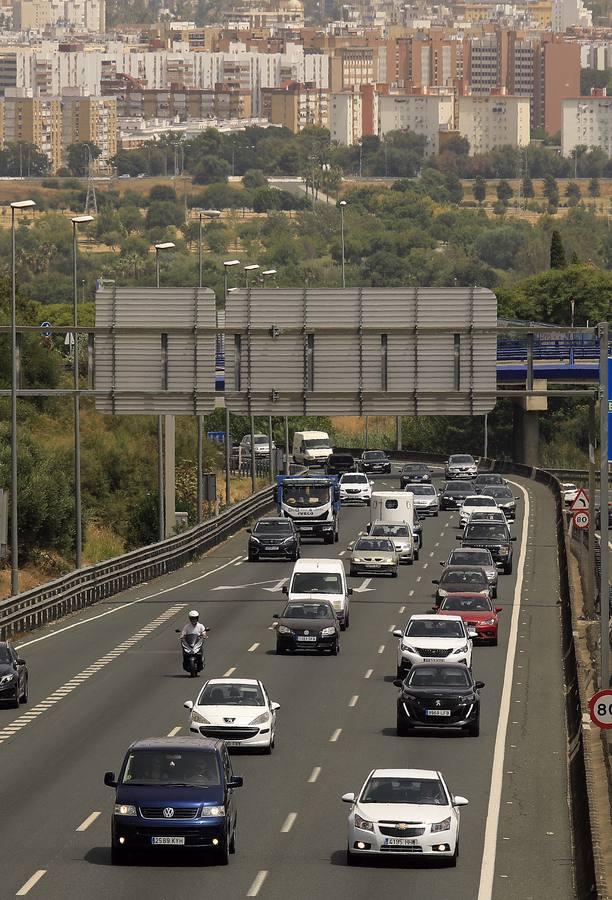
[(16, 206), (76, 221)]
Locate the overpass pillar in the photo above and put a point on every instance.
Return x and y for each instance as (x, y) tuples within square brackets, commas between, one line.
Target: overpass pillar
[(526, 411)]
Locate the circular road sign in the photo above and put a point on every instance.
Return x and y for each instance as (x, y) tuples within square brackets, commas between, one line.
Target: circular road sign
[(581, 519), (600, 708)]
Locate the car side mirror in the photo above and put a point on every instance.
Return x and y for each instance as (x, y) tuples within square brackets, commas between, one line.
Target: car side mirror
[(517, 498), (20, 661), (458, 537), (435, 581), (275, 705), (479, 684), (350, 547), (237, 781), (177, 630), (398, 633), (110, 780), (442, 563), (285, 589), (350, 592), (513, 537), (275, 616), (368, 526), (249, 530), (499, 609), (472, 634), (348, 798), (398, 682), (188, 704), (460, 801)]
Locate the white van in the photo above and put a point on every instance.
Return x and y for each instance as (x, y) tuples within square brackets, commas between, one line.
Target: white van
[(325, 579), (311, 448)]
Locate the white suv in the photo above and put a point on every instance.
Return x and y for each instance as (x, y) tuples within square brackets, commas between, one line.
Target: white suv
[(433, 639), (355, 487)]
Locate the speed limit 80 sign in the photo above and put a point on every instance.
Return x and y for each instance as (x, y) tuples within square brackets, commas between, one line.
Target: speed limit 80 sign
[(600, 708)]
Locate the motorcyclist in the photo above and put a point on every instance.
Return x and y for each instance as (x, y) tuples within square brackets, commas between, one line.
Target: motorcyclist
[(194, 626)]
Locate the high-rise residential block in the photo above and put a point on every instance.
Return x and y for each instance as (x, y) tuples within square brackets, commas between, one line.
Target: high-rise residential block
[(587, 122), (494, 121)]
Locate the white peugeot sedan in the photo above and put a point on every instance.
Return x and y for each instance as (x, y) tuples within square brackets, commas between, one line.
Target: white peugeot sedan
[(236, 710), (355, 487), (430, 638), (476, 503), (401, 811)]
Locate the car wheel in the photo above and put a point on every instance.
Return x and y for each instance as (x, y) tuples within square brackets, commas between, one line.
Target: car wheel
[(435, 515), (252, 558), (402, 731), (494, 594), (336, 537), (416, 555), (24, 696), (494, 642), (400, 673), (508, 568), (353, 571), (409, 562), (451, 861), (279, 650), (328, 539), (394, 573), (118, 855), (221, 855), (267, 751), (232, 845), (351, 858), (347, 622), (296, 556), (335, 649), (342, 626), (474, 729), (14, 703)]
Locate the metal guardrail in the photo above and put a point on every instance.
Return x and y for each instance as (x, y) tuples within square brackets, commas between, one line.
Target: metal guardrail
[(82, 588)]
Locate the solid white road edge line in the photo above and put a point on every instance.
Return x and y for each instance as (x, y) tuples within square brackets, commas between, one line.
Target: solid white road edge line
[(116, 609), (88, 821), (257, 883), (487, 870), (30, 883)]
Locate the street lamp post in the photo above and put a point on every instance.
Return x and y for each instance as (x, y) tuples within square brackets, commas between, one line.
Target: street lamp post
[(76, 221), (228, 265), (269, 273), (165, 486), (206, 214), (247, 271), (573, 310), (342, 205), (15, 207)]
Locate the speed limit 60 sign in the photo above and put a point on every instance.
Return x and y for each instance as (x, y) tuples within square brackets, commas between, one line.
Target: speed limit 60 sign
[(600, 708)]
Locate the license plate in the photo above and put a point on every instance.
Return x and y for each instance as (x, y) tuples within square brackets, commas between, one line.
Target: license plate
[(306, 528), (430, 659), (174, 841), (233, 743), (303, 638), (399, 842), (372, 565), (438, 712)]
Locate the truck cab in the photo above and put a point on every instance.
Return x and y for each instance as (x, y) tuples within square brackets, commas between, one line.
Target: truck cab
[(312, 503)]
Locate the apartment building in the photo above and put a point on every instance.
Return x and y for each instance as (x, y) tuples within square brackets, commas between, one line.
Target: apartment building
[(345, 117), (295, 105), (353, 66), (425, 114), (587, 121), (36, 120), (82, 15), (494, 121), (90, 119)]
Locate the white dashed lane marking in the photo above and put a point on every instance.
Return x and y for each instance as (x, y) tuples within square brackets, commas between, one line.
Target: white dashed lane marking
[(27, 887), (88, 821)]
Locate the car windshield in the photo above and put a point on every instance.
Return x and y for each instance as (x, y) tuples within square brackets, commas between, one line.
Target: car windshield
[(489, 479), (283, 527), (374, 454), (5, 656), (421, 791), (439, 676), (461, 460), (500, 492), (380, 545), (434, 628), (390, 531), (467, 604), (307, 611), (224, 694), (470, 558), (304, 495), (316, 583), (317, 444), (194, 768), (480, 501), (463, 578), (416, 470), (260, 439), (487, 531), (421, 489), (459, 488), (354, 479)]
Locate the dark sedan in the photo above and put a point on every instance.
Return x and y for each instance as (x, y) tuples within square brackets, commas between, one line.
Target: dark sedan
[(274, 537), (13, 676), (462, 580), (439, 696), (453, 493), (375, 461), (339, 463), (487, 479), (415, 473), (307, 625), (505, 499)]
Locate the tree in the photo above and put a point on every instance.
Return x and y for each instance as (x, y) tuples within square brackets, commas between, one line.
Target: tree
[(253, 179), (572, 192), (160, 214), (162, 192), (211, 170), (479, 189), (78, 156), (557, 251), (504, 191), (21, 159), (593, 188), (130, 218), (551, 191), (527, 187)]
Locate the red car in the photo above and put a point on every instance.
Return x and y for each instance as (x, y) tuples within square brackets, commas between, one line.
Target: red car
[(476, 611)]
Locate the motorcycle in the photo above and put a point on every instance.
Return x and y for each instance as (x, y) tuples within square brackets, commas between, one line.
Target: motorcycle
[(193, 653)]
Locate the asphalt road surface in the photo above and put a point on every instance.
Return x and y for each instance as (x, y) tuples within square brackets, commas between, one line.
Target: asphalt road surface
[(112, 674)]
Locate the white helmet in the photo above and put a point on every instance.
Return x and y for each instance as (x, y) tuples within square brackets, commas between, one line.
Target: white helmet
[(194, 614)]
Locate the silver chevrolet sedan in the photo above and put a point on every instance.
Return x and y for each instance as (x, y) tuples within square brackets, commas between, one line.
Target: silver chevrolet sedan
[(372, 554)]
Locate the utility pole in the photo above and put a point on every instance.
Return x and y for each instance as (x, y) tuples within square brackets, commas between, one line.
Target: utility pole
[(604, 589), (590, 580)]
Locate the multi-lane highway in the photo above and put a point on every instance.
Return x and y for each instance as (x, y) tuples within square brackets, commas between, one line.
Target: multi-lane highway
[(113, 674)]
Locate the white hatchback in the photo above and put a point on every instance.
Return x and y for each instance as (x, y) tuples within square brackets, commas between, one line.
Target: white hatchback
[(430, 638), (476, 503), (236, 710), (355, 487), (404, 811)]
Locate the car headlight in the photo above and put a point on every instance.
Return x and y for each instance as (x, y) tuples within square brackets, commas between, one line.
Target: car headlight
[(484, 592), (488, 621), (363, 823), (444, 825), (327, 632), (503, 551), (442, 592), (125, 809), (463, 649), (282, 629), (288, 540), (209, 811), (197, 717), (408, 647), (254, 539), (6, 679), (262, 719), (358, 559)]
